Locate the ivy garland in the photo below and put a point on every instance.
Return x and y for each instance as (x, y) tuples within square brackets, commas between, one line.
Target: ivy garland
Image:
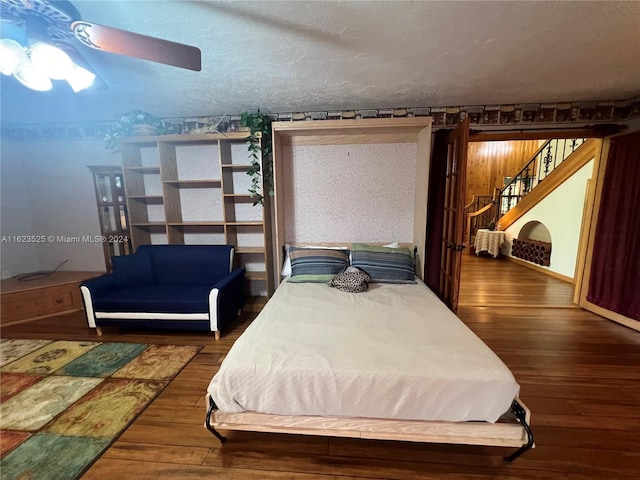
[(125, 127), (259, 126)]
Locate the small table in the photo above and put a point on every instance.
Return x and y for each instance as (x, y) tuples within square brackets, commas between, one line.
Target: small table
[(489, 241)]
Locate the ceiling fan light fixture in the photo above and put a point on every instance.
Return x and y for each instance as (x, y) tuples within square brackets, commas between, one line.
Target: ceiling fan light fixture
[(11, 55), (32, 77), (80, 78), (51, 60)]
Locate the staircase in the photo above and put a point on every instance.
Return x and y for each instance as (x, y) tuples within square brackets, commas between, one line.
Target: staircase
[(484, 209), (544, 161)]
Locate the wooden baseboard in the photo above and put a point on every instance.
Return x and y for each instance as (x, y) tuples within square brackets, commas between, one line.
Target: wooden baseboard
[(613, 316), (538, 268)]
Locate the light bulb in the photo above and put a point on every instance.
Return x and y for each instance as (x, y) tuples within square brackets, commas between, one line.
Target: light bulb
[(80, 78), (32, 77), (11, 55), (54, 62)]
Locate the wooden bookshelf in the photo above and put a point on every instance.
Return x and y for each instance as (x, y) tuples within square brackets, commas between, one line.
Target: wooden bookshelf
[(192, 189)]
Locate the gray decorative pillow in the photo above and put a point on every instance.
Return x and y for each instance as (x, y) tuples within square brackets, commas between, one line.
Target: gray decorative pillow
[(351, 280)]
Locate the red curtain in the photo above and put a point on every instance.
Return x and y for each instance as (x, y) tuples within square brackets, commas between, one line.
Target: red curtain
[(615, 271)]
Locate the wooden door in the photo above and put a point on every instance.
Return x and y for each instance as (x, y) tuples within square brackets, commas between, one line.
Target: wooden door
[(453, 221)]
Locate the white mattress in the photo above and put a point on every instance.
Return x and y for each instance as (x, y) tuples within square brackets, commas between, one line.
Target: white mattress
[(393, 352)]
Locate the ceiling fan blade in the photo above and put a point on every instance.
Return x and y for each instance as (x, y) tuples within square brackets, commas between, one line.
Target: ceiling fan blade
[(131, 44)]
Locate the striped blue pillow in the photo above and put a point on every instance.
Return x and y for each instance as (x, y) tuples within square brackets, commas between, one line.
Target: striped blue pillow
[(383, 264), (316, 265)]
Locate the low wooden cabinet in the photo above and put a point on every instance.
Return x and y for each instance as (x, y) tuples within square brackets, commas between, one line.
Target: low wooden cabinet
[(24, 301)]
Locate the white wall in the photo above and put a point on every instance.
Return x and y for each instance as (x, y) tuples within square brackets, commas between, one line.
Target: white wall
[(372, 192), (15, 212), (561, 213), (48, 190)]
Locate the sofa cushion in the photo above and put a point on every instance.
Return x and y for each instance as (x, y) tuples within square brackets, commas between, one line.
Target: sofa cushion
[(156, 299), (188, 264), (132, 270)]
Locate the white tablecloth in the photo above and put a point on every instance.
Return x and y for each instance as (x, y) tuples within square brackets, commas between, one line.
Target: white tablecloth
[(489, 241)]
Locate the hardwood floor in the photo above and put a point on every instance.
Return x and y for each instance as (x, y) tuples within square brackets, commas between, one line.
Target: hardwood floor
[(490, 282), (579, 374)]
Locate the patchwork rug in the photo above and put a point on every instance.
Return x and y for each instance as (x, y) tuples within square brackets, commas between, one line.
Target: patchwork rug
[(62, 403)]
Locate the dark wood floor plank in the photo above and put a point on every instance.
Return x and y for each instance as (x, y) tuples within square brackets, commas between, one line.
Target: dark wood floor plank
[(588, 421), (601, 464), (157, 453), (620, 409), (415, 467), (160, 412), (115, 468)]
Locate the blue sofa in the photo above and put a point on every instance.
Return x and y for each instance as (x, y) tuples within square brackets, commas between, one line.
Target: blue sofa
[(167, 286)]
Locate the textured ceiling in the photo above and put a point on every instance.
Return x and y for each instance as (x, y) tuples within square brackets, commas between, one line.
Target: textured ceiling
[(291, 56)]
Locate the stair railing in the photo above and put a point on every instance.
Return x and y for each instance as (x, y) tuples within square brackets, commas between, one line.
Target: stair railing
[(551, 154), (479, 213)]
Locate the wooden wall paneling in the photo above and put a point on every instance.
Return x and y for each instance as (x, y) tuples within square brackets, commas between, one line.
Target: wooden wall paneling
[(478, 170), (490, 162)]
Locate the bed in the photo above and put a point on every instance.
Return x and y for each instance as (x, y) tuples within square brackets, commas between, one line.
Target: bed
[(391, 363)]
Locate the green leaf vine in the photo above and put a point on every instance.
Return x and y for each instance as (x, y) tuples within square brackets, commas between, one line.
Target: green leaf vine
[(260, 152), (125, 127)]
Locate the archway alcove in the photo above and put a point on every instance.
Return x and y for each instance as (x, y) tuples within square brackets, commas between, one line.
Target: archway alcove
[(533, 243)]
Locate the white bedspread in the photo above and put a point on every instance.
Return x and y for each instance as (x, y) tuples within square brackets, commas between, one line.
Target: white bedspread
[(395, 352)]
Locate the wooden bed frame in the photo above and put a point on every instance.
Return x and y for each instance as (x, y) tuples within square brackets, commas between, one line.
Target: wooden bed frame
[(511, 430)]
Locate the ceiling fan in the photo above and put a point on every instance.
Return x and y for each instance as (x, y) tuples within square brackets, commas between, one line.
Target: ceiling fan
[(32, 31)]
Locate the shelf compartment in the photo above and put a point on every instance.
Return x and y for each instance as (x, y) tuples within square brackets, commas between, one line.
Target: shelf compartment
[(194, 183), (245, 224), (249, 250), (143, 233), (155, 170), (149, 225), (239, 196), (196, 224), (149, 199), (237, 166), (197, 233), (255, 275)]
